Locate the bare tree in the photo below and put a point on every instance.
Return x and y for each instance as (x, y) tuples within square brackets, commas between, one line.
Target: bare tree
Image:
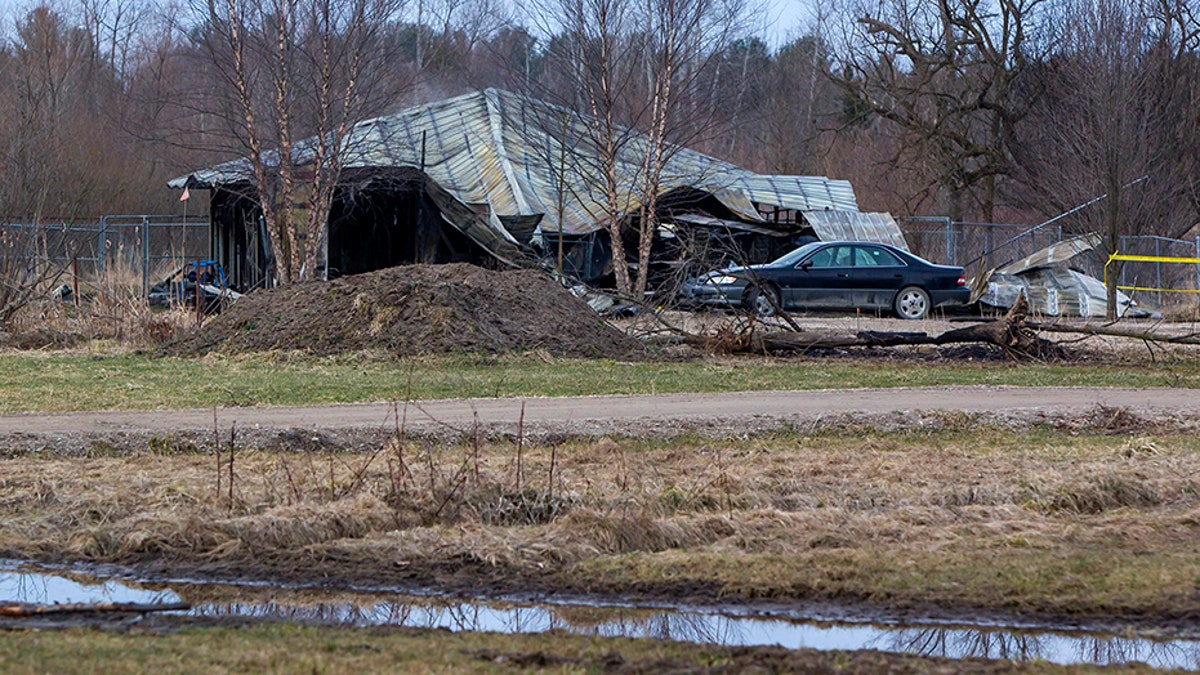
[(115, 26), (590, 79), (637, 74), (684, 39), (945, 74), (789, 101), (294, 76), (45, 180), (1117, 117)]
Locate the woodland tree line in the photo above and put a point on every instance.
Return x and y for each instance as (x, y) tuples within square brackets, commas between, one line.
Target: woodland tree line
[(980, 110)]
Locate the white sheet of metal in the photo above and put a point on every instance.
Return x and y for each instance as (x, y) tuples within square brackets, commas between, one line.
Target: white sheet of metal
[(855, 226)]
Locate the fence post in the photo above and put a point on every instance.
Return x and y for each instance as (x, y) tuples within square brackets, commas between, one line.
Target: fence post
[(145, 256), (1122, 247), (1158, 271), (951, 254), (1198, 265), (102, 247)]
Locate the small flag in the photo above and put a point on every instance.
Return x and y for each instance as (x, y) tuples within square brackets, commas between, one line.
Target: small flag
[(185, 196)]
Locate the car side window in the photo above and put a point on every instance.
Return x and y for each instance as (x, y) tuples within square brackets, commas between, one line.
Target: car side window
[(822, 258), (869, 256), (834, 256)]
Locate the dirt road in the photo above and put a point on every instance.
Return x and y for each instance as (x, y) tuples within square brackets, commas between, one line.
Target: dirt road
[(597, 412)]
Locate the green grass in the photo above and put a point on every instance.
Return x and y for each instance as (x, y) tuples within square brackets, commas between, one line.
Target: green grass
[(275, 648), (1061, 581), (77, 381)]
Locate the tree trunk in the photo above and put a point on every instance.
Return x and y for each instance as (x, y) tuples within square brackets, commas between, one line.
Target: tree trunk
[(1011, 333)]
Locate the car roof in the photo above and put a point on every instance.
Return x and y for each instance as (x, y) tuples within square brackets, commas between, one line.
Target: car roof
[(857, 243)]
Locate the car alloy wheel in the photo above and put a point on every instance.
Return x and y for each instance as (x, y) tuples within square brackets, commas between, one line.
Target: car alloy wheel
[(764, 301), (912, 303)]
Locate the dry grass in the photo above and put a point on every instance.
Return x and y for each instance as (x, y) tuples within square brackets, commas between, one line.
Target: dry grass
[(109, 308), (1182, 309), (897, 518)]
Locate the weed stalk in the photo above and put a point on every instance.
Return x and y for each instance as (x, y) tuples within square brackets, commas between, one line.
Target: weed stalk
[(232, 452), (217, 451), (520, 443)]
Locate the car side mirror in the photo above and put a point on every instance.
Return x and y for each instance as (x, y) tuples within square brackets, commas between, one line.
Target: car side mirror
[(804, 265)]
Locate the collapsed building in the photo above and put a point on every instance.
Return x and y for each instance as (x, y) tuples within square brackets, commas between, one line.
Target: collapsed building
[(499, 178)]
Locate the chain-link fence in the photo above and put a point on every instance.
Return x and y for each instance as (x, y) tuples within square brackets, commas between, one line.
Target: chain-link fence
[(147, 247), (1159, 283), (975, 246), (983, 246)]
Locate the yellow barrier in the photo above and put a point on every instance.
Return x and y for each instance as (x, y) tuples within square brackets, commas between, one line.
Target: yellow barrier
[(1150, 258)]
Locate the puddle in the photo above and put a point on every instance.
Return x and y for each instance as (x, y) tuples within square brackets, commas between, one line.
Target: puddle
[(48, 589), (694, 625)]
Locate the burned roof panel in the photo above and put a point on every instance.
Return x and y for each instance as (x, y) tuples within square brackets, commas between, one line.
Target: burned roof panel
[(517, 155)]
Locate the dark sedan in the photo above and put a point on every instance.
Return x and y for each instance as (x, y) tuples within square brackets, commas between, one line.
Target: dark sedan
[(836, 275)]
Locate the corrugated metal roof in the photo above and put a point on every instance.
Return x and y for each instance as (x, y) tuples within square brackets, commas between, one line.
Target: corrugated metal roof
[(854, 226), (1051, 288), (512, 153), (717, 223), (1058, 252), (1053, 291)]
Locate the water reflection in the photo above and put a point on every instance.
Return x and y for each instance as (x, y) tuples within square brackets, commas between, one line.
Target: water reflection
[(46, 589), (707, 627), (1059, 648)]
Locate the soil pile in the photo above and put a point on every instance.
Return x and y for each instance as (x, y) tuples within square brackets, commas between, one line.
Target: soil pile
[(414, 309)]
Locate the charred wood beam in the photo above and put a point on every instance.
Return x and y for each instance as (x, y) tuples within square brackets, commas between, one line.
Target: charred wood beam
[(787, 340)]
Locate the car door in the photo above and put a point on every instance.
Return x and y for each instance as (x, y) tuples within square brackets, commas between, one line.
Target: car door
[(823, 279), (877, 275)]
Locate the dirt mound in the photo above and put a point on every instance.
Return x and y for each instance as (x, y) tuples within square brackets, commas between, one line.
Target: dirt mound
[(40, 338), (414, 309)]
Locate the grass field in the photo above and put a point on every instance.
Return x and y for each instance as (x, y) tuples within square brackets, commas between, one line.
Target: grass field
[(55, 382), (296, 649), (1084, 522), (1062, 524)]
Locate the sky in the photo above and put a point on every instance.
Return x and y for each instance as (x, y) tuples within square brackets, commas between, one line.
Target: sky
[(787, 20), (781, 21)]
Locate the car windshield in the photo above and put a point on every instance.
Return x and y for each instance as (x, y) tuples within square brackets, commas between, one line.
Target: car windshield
[(796, 256)]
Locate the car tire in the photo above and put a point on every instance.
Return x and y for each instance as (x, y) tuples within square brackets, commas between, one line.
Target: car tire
[(912, 303), (763, 300)]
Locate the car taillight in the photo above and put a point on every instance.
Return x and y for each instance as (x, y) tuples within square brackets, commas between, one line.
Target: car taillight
[(962, 280)]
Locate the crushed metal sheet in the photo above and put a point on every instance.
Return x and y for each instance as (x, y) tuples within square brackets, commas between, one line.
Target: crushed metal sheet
[(714, 222), (836, 225), (1051, 287), (1053, 291), (1053, 254)]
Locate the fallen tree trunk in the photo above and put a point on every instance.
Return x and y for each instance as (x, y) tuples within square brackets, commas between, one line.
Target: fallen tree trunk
[(1012, 333), (1112, 330), (23, 610)]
